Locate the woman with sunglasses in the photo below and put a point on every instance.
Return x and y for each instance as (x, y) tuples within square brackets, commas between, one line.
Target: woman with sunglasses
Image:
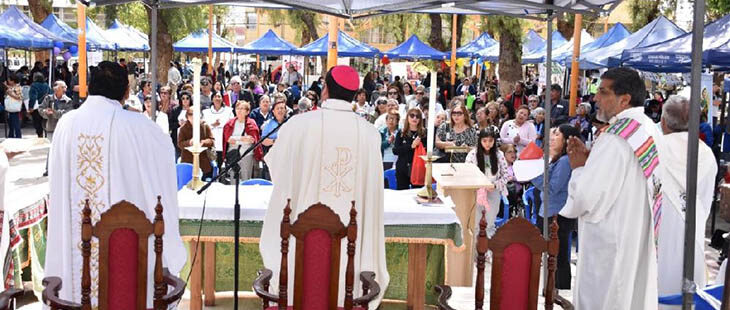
[(458, 132), (412, 135)]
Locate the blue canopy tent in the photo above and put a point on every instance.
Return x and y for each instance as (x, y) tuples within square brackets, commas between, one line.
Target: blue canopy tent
[(197, 42), (617, 33), (125, 39), (674, 55), (94, 38), (659, 30), (539, 56), (347, 46), (33, 35), (413, 48), (472, 48), (533, 42), (268, 44)]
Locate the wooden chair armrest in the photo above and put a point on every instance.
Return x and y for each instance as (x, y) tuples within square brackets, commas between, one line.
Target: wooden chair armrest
[(444, 292), (373, 288), (178, 287), (8, 295), (563, 303), (50, 295), (261, 285)]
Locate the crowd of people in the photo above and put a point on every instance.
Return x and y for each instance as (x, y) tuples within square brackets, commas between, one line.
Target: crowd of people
[(474, 123)]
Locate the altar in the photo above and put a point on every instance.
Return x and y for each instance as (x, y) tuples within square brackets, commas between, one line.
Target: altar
[(417, 237)]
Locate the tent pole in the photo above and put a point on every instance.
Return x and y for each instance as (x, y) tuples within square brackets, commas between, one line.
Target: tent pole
[(153, 57), (546, 135), (574, 70), (332, 42), (50, 68), (83, 66), (453, 54), (688, 285)]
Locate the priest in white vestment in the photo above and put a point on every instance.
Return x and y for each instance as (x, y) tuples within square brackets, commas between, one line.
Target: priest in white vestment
[(608, 194), (331, 156), (105, 154), (675, 116)]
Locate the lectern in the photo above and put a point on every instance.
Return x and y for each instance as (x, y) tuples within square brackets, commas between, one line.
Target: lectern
[(460, 181)]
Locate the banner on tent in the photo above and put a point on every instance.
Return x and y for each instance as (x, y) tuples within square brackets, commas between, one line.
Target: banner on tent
[(706, 101), (557, 77)]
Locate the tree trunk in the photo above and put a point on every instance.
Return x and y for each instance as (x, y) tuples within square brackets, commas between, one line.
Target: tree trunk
[(435, 39), (164, 44), (39, 10), (565, 27), (309, 33), (510, 59)]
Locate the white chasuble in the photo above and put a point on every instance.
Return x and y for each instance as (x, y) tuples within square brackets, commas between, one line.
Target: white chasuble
[(330, 156), (105, 154), (671, 232), (617, 261)]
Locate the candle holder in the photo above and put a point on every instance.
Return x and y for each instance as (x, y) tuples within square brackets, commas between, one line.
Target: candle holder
[(427, 191), (197, 181)]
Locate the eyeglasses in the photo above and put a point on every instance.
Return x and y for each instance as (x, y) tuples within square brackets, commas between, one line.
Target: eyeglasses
[(459, 113), (413, 115), (419, 93), (184, 98), (392, 93)]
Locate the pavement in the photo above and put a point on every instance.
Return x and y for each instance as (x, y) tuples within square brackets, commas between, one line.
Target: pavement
[(26, 172)]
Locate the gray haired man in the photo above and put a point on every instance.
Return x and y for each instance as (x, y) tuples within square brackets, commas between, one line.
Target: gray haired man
[(54, 106)]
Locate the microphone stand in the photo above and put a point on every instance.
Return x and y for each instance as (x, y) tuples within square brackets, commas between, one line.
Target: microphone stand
[(232, 158)]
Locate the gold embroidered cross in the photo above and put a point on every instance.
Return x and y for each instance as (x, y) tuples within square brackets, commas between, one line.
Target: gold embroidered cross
[(339, 169)]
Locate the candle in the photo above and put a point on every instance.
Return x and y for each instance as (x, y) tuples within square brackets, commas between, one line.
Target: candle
[(197, 64), (431, 113)]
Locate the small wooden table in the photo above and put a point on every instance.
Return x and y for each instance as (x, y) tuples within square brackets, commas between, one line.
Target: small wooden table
[(460, 182)]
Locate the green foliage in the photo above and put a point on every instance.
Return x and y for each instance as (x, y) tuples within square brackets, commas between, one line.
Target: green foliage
[(718, 8), (643, 12), (180, 21), (498, 26), (393, 26), (296, 19)]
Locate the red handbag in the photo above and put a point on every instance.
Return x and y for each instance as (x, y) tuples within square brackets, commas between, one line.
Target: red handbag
[(418, 167)]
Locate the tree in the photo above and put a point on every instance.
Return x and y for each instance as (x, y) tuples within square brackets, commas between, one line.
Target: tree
[(566, 23), (509, 31), (435, 37), (303, 22), (40, 9), (643, 12)]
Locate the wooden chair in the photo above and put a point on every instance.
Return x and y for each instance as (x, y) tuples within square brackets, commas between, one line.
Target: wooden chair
[(7, 296), (318, 232), (517, 249), (122, 232)]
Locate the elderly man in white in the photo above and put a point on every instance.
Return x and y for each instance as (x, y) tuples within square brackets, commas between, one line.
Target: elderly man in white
[(675, 116)]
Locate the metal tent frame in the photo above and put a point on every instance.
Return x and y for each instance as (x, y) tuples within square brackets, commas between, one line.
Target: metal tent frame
[(542, 10)]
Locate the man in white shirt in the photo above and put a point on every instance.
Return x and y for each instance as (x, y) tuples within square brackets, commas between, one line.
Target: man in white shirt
[(173, 79), (674, 121), (291, 76)]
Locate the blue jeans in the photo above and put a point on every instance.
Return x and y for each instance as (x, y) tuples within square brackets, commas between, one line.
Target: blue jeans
[(14, 125)]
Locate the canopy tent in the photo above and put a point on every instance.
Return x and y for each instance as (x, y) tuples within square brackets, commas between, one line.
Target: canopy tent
[(347, 46), (197, 42), (617, 33), (268, 44), (539, 57), (125, 39), (532, 42), (413, 48), (674, 55), (558, 41), (472, 48), (139, 33), (659, 30), (31, 35), (94, 35)]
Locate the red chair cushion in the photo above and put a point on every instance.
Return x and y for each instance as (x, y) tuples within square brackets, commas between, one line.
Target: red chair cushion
[(317, 268), (515, 277), (123, 261)]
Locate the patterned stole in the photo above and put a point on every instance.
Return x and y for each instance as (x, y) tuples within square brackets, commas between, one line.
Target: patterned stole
[(646, 153)]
